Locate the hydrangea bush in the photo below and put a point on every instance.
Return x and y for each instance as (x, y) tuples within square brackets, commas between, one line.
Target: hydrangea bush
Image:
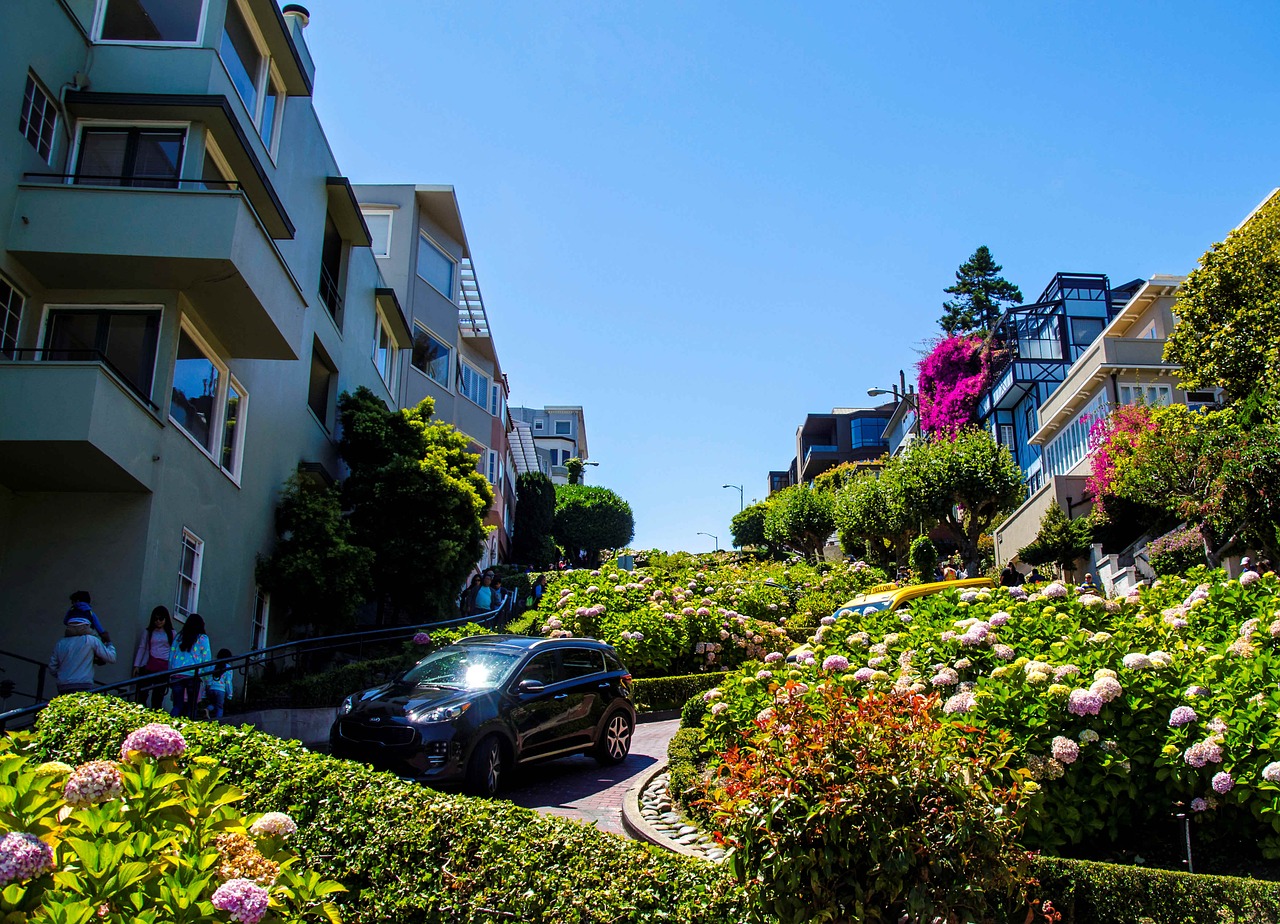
[(1119, 712), (151, 837), (701, 614)]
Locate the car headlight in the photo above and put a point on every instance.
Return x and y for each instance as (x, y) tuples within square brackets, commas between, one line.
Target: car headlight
[(347, 705), (441, 714)]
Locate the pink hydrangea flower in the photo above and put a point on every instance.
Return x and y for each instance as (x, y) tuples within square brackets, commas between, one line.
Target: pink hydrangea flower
[(712, 694), (959, 703), (863, 674), (1199, 805), (1203, 752), (1271, 772), (1065, 751), (1004, 652), (835, 663), (702, 611), (274, 824), (1084, 702), (1136, 661), (1055, 591), (1249, 577), (23, 856), (764, 675), (828, 620), (1222, 782), (773, 656), (421, 638), (1108, 688), (243, 899), (999, 619), (1182, 715), (946, 677), (968, 596), (719, 708), (155, 740), (92, 783)]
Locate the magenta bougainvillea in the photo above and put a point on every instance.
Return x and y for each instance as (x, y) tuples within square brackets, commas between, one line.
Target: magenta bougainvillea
[(1111, 438), (952, 379)]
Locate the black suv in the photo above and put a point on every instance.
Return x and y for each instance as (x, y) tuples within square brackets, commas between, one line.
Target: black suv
[(471, 710)]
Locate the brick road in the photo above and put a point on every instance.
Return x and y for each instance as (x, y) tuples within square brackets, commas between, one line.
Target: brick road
[(579, 788)]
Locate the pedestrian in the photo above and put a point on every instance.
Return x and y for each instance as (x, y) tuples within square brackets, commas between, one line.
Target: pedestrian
[(1035, 577), (467, 604), (1087, 586), (482, 602), (499, 595), (76, 654), (537, 590), (152, 656), (192, 648), (218, 687), (81, 609), (1009, 576), (949, 572)]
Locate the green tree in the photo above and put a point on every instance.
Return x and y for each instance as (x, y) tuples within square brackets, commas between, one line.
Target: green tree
[(533, 542), (1219, 472), (316, 574), (801, 518), (589, 519), (965, 485), (924, 558), (1228, 330), (980, 295), (574, 468), (747, 526), (1060, 540), (416, 500), (872, 510)]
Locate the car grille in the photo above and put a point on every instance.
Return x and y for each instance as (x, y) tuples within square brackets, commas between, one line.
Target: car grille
[(377, 734)]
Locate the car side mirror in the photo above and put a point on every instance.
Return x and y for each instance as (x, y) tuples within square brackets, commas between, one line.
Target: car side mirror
[(531, 686)]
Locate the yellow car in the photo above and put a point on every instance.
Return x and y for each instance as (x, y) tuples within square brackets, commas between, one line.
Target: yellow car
[(891, 596)]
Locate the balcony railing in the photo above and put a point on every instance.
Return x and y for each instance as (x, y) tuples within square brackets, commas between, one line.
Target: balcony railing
[(132, 181), (84, 356), (329, 291)]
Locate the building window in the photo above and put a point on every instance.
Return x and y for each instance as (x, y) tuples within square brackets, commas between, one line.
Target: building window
[(378, 221), (435, 267), (124, 340), (1007, 435), (1150, 395), (331, 269), (430, 356), (539, 425), (39, 118), (384, 350), (868, 433), (176, 21), (244, 54), (10, 314), (493, 468), (320, 388), (207, 403), (189, 576), (149, 158), (1030, 420), (261, 615), (473, 384), (564, 428)]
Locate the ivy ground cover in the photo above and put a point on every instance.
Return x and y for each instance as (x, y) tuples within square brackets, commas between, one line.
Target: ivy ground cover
[(1120, 714)]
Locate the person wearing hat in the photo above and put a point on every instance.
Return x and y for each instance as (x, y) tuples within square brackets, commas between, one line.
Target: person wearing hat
[(75, 655), (1246, 564)]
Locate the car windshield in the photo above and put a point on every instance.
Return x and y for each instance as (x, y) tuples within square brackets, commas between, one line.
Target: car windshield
[(464, 668), (865, 609)]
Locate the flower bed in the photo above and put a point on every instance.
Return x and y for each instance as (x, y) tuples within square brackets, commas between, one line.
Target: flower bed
[(407, 854), (1121, 713)]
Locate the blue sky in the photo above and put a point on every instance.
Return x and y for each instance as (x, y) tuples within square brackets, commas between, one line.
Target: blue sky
[(702, 221)]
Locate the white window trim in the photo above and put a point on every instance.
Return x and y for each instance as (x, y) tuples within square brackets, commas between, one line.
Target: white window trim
[(568, 434), (219, 159), (73, 158), (265, 597), (380, 326), (267, 75), (217, 426), (194, 578), (51, 100), (100, 15), (390, 212), (21, 307), (463, 363), (453, 275), (539, 425), (444, 343)]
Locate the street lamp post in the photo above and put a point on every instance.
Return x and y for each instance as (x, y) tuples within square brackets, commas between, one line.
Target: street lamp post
[(714, 538), (741, 503)]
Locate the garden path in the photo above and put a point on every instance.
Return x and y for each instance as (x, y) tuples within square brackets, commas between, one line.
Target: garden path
[(579, 788)]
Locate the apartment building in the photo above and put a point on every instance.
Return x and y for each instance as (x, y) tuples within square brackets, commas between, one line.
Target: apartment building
[(1124, 364), (420, 243), (847, 434), (559, 434), (186, 286)]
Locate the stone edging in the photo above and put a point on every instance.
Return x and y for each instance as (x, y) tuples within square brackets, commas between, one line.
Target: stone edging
[(634, 821)]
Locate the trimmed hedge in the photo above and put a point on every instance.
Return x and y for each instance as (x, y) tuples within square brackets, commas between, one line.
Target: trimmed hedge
[(410, 854), (323, 688), (1085, 892), (655, 694)]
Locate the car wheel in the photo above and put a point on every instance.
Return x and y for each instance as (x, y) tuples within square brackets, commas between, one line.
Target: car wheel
[(615, 741), (484, 770)]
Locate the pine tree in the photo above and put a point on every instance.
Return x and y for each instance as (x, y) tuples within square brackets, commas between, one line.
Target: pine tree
[(981, 294)]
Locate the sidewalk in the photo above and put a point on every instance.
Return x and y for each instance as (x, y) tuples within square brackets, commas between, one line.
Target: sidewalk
[(579, 788)]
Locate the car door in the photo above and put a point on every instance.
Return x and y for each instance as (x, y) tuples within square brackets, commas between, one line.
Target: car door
[(535, 717), (586, 692)]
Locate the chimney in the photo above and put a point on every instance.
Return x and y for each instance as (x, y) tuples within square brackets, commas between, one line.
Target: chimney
[(297, 16)]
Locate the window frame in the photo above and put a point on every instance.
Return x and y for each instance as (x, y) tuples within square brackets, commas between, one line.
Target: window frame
[(381, 328), (217, 426), (81, 125), (10, 317), (540, 425), (440, 340), (424, 237), (98, 308), (463, 364), (261, 621), (181, 612), (568, 431), (100, 18), (391, 222), (26, 119), (267, 78), (319, 352)]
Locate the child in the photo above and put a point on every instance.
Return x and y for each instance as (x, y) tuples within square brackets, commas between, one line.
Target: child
[(217, 688), (80, 609)]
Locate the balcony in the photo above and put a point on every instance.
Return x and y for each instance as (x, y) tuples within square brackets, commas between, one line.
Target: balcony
[(74, 426), (1107, 356), (206, 243)]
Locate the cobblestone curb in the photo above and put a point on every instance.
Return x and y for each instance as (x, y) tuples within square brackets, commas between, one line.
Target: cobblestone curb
[(649, 814)]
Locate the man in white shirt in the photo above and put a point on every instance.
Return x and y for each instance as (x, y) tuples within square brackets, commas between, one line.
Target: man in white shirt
[(74, 656)]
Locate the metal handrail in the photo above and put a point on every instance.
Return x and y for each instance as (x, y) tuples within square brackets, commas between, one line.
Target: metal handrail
[(133, 181), (242, 663), (79, 356)]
